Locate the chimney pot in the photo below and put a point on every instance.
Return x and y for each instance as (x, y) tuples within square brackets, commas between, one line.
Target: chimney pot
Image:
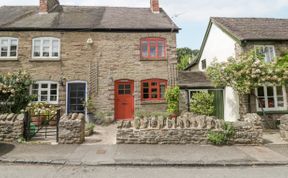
[(154, 5)]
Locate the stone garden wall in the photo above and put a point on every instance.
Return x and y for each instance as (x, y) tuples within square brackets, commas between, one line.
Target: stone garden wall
[(186, 129), (11, 127), (284, 127), (72, 129)]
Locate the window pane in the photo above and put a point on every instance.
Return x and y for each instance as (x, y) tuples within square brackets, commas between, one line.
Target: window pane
[(146, 90), (153, 49), (44, 98), (44, 85), (4, 51), (53, 92), (53, 86), (271, 103), (121, 87), (146, 84), (146, 96), (261, 103), (154, 83), (45, 52), (145, 49), (154, 93), (37, 43), (280, 101), (53, 98), (55, 48), (4, 43), (161, 52), (121, 92), (127, 87), (46, 43), (162, 90), (44, 92), (279, 91), (261, 91), (35, 86), (270, 91)]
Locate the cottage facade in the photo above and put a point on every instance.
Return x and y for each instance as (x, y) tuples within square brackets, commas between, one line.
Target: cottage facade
[(120, 59), (231, 37)]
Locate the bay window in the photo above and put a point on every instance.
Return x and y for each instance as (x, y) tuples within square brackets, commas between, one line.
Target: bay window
[(153, 48), (46, 47), (271, 98), (153, 89), (8, 47), (45, 91)]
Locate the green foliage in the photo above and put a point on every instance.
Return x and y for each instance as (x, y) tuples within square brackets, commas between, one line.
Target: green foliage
[(247, 73), (202, 103), (172, 97), (89, 126), (282, 62), (185, 56), (14, 92), (90, 105), (222, 137)]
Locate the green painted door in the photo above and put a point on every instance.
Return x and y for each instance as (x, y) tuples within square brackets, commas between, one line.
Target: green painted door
[(218, 103)]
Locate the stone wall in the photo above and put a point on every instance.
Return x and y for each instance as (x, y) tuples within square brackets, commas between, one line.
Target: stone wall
[(186, 129), (284, 127), (11, 127), (112, 56), (72, 129)]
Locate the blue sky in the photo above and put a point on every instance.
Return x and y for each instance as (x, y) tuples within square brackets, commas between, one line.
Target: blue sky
[(191, 15)]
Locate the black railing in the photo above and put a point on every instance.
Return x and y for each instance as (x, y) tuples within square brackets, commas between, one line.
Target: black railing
[(41, 126)]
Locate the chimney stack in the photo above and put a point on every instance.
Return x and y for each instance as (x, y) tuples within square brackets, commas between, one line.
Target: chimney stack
[(154, 5), (46, 6)]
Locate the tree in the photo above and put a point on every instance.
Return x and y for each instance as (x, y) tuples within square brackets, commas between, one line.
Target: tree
[(185, 56)]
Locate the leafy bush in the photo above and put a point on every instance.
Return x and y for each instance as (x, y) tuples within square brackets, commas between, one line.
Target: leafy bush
[(41, 108), (202, 103), (14, 92), (222, 137), (172, 98)]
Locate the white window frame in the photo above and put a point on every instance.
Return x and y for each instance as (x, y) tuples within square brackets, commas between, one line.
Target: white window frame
[(9, 46), (51, 39), (269, 46), (276, 108), (49, 90)]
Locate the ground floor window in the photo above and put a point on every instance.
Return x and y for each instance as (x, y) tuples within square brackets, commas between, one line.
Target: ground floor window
[(45, 91), (153, 89), (271, 98)]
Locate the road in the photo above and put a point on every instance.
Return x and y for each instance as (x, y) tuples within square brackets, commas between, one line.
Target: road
[(40, 171)]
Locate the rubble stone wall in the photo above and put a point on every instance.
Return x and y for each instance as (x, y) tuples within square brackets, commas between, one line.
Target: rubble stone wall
[(72, 129), (11, 127), (186, 129), (284, 127)]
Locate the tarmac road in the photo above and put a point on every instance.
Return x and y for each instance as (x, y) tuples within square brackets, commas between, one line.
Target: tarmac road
[(49, 171)]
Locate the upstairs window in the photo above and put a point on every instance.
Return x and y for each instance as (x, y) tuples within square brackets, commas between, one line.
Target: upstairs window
[(46, 47), (203, 64), (8, 47), (153, 48), (266, 51), (45, 91), (153, 89), (271, 98)]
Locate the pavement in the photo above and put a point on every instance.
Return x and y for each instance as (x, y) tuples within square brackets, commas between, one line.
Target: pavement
[(145, 155)]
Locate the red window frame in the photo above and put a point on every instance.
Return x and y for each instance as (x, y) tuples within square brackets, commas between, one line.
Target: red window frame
[(151, 87), (150, 44)]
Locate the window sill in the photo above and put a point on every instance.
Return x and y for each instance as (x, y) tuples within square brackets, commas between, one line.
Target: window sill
[(45, 60), (273, 112), (9, 59), (153, 59), (153, 102)]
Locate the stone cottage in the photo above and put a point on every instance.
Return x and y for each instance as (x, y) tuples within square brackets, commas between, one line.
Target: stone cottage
[(231, 37), (122, 59)]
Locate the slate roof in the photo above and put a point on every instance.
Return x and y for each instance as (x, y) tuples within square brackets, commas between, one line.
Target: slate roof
[(254, 28), (192, 79), (82, 17)]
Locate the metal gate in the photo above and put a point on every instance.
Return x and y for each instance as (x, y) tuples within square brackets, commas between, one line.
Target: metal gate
[(41, 127)]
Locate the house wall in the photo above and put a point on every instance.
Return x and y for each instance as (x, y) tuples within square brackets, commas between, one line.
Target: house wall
[(112, 56), (219, 46)]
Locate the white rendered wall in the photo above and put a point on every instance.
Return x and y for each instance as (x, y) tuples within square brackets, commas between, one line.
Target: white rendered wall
[(218, 46), (221, 46)]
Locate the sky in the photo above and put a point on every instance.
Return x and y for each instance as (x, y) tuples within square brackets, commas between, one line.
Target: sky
[(190, 15)]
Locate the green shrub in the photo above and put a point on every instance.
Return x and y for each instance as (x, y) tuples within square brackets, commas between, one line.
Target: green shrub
[(202, 103), (172, 98), (222, 137)]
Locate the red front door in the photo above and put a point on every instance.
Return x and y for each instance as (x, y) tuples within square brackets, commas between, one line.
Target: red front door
[(124, 99)]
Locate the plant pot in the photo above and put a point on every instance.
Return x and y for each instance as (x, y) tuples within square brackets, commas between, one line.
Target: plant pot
[(52, 123), (37, 120)]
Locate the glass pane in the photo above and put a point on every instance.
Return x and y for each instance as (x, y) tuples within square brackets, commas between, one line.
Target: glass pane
[(153, 49), (53, 98), (161, 49), (261, 91), (144, 49), (146, 90), (46, 51), (13, 42), (127, 87), (35, 86), (55, 48), (154, 93), (146, 96), (44, 92), (128, 92), (121, 92), (280, 101), (13, 54), (44, 98), (271, 103), (146, 84), (121, 87), (162, 90), (261, 103), (270, 91), (53, 92), (44, 85), (37, 43), (46, 43), (279, 91), (4, 42), (34, 92), (154, 83), (53, 86)]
